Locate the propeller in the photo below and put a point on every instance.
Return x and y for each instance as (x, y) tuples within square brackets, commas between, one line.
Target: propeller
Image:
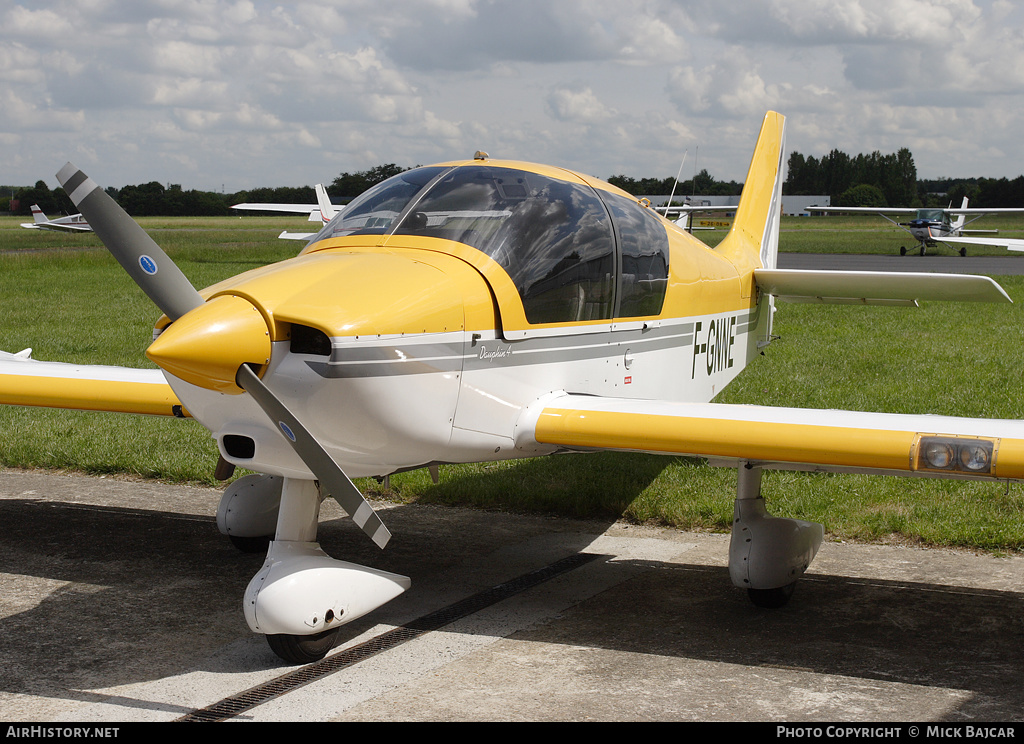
[(141, 257), (185, 348)]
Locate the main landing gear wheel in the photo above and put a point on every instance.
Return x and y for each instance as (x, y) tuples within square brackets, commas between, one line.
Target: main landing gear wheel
[(771, 599), (963, 251), (903, 250), (303, 649)]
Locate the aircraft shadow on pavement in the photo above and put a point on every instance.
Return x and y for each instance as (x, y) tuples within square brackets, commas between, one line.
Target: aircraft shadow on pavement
[(134, 595)]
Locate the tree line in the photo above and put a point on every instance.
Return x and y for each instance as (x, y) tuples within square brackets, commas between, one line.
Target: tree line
[(702, 183), (153, 199), (870, 180), (874, 180), (864, 180)]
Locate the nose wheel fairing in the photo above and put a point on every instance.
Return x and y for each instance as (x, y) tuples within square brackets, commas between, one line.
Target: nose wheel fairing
[(301, 594), (300, 590)]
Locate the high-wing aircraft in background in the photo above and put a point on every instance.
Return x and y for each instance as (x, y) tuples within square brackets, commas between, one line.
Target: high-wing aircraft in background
[(73, 223), (930, 227), (323, 211), (482, 310)]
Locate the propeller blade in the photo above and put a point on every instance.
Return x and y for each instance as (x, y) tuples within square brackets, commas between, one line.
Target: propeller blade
[(332, 478), (140, 256)]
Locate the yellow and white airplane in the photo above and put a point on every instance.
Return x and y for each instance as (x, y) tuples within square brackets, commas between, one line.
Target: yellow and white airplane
[(481, 310)]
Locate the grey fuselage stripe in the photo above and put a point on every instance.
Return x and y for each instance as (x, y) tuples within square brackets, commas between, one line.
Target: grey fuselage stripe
[(411, 358)]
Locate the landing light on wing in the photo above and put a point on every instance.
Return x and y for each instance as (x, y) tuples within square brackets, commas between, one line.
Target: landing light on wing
[(966, 455)]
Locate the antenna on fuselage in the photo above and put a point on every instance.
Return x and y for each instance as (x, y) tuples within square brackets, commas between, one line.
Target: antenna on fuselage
[(678, 174)]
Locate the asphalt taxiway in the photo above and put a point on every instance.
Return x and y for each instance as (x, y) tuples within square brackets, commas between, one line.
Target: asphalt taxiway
[(120, 601)]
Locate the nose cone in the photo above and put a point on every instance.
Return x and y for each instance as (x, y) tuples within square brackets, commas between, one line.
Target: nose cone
[(207, 345)]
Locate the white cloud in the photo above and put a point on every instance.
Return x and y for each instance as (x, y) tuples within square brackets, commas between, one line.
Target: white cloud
[(245, 92), (577, 103)]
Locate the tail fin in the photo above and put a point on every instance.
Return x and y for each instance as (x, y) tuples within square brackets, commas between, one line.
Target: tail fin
[(327, 210), (960, 218), (753, 241), (37, 215)]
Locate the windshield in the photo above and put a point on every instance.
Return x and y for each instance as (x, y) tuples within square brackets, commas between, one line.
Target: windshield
[(553, 237), (573, 253), (373, 212)]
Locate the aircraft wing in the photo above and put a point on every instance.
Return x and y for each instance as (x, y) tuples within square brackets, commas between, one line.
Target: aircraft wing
[(27, 382), (865, 210), (59, 226), (876, 287), (321, 212), (1013, 244), (981, 210), (784, 438), (291, 208), (693, 208)]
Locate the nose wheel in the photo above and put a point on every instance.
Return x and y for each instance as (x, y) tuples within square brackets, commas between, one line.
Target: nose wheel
[(771, 599), (300, 649)]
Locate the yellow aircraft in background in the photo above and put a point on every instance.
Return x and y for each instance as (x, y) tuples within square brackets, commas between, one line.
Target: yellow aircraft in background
[(481, 310)]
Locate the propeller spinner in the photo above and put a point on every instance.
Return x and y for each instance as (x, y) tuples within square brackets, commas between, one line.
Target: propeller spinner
[(215, 344)]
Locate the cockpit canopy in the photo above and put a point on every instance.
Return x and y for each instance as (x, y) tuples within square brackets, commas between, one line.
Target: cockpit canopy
[(931, 215), (573, 252)]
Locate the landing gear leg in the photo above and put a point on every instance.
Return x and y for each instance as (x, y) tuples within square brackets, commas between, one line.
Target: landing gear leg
[(301, 597), (767, 554)]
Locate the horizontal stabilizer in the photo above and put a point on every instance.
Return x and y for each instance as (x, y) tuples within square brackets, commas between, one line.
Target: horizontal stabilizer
[(876, 287)]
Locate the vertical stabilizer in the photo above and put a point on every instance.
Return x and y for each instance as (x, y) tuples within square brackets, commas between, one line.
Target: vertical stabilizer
[(327, 210), (753, 241), (958, 223)]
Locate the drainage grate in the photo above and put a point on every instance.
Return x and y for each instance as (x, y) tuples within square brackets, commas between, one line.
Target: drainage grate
[(233, 706)]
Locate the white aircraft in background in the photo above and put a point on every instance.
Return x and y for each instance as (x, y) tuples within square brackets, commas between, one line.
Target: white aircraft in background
[(481, 310), (933, 226), (73, 223), (323, 211)]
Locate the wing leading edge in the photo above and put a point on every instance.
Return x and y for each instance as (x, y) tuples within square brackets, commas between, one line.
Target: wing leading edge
[(787, 438), (27, 382), (1012, 244)]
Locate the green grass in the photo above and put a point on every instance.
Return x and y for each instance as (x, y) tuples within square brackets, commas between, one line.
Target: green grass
[(65, 297), (870, 234)]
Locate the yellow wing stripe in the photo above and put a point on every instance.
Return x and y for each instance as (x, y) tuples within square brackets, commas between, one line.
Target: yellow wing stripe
[(90, 395), (807, 444)]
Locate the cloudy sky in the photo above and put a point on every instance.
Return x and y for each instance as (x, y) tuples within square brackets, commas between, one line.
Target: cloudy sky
[(235, 94)]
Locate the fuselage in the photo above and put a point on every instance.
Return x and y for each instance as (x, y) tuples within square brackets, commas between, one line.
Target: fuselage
[(425, 320), (931, 224)]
